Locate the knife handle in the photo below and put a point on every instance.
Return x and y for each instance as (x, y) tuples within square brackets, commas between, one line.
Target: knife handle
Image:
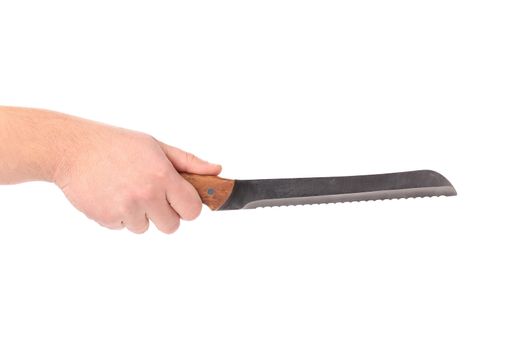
[(213, 190)]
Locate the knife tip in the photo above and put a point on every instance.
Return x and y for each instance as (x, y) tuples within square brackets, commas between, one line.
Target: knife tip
[(442, 181)]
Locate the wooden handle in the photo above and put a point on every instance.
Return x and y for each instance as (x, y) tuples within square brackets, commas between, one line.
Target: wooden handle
[(213, 190)]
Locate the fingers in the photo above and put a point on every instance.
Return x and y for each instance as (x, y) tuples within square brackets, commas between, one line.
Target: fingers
[(164, 216), (183, 198), (189, 163), (119, 225), (186, 205), (179, 201), (137, 223)]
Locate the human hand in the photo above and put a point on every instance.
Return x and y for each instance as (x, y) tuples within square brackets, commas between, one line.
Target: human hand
[(122, 178)]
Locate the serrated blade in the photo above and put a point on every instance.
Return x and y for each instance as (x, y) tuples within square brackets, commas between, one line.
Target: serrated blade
[(249, 194)]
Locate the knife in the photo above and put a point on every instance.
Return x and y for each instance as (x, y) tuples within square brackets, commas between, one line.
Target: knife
[(225, 194)]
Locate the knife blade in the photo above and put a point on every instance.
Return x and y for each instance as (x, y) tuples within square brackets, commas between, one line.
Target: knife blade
[(225, 194)]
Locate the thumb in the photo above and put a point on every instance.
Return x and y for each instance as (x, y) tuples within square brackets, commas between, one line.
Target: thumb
[(189, 163)]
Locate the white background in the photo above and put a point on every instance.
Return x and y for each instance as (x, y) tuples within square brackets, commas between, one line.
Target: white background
[(268, 89)]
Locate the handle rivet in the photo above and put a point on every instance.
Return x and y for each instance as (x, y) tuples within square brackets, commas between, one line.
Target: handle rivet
[(210, 191)]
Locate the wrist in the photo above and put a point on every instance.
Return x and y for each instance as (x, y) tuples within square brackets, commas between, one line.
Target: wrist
[(51, 144), (66, 145)]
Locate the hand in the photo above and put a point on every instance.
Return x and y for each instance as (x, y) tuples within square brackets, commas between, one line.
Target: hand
[(122, 178)]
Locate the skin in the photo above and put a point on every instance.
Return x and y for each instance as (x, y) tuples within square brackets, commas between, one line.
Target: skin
[(116, 177)]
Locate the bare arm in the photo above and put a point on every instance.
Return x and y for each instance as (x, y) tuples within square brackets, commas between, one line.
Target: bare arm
[(117, 177)]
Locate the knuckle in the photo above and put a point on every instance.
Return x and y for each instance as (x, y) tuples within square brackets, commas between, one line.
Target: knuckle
[(193, 211), (108, 225), (140, 229), (161, 173), (132, 198), (172, 227), (108, 220), (125, 207), (160, 170), (148, 192), (190, 158)]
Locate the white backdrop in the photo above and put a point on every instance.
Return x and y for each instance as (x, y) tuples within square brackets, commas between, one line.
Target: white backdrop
[(268, 89)]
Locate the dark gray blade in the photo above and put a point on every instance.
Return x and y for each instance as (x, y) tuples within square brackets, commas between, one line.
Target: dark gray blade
[(248, 194)]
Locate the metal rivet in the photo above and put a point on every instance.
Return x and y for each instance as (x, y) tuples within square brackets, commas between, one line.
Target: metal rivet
[(210, 191)]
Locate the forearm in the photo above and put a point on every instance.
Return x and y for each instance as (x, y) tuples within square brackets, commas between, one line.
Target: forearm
[(31, 144)]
